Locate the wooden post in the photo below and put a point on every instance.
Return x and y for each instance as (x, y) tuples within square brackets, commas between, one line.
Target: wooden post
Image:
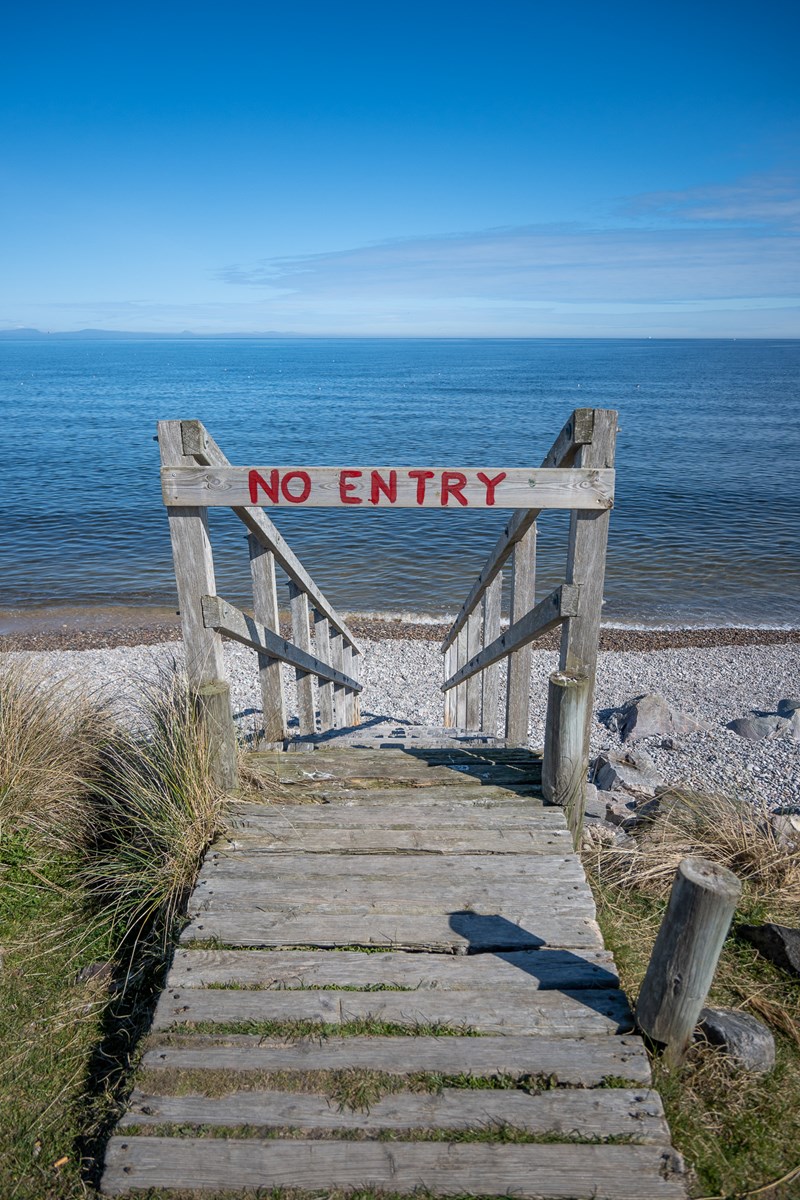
[(194, 576), (355, 671), (322, 637), (566, 761), (265, 610), (349, 706), (490, 678), (301, 636), (586, 562), (337, 661), (523, 594), (450, 695), (461, 689), (701, 905), (473, 718)]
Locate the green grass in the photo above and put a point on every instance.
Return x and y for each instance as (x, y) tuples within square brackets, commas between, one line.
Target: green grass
[(738, 1132), (308, 1028), (101, 833)]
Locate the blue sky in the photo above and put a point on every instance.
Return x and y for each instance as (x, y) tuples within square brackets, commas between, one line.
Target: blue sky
[(457, 169)]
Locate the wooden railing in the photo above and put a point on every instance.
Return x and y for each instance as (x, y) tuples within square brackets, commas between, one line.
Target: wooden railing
[(206, 618), (475, 645)]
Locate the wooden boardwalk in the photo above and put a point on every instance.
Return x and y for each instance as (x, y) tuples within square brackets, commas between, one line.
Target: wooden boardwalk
[(482, 1047)]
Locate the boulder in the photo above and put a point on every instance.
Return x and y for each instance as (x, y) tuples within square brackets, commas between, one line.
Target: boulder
[(786, 827), (626, 770), (779, 943), (743, 1038), (651, 716), (595, 806), (788, 707), (793, 730), (620, 808), (755, 729)]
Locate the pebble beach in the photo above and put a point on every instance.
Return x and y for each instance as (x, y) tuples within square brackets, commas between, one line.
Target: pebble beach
[(714, 676)]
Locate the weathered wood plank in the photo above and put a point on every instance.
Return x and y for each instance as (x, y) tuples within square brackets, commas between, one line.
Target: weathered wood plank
[(559, 865), (490, 679), (422, 798), (528, 969), (322, 487), (233, 623), (581, 1172), (301, 635), (339, 693), (459, 932), (584, 1013), (199, 444), (547, 614), (322, 638), (194, 576), (518, 678), (397, 841), (566, 752), (394, 816), (265, 612), (635, 1113), (576, 432), (473, 712), (578, 1062), (315, 895)]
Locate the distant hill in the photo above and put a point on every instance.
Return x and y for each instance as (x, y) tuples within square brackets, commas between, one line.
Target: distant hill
[(116, 335)]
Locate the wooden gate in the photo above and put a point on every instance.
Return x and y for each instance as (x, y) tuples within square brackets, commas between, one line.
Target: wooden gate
[(577, 474)]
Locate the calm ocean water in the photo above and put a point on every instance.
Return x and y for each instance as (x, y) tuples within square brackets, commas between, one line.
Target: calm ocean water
[(705, 529)]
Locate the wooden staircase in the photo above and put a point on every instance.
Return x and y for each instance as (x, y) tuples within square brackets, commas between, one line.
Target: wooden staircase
[(391, 980)]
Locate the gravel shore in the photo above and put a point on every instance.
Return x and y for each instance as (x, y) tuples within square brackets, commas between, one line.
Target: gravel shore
[(402, 675)]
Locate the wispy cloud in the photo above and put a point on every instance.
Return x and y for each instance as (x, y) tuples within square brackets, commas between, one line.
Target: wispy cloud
[(713, 250)]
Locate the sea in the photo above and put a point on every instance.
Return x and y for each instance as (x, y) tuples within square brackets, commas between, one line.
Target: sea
[(705, 529)]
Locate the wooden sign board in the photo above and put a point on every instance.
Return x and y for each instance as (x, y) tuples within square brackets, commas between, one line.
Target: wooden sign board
[(368, 488)]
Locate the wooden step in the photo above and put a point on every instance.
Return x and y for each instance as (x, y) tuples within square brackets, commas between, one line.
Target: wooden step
[(463, 933), (459, 839), (560, 1172), (557, 867), (494, 815), (634, 1113), (580, 1013), (571, 1061), (520, 969), (360, 895)]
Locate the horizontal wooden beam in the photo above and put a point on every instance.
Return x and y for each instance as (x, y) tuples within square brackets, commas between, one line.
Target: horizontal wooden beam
[(371, 488), (231, 622), (561, 603), (576, 432), (198, 442)]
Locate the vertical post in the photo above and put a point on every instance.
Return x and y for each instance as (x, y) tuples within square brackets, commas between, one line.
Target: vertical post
[(685, 956), (586, 563), (565, 760), (301, 636), (355, 664), (461, 688), (518, 688), (322, 637), (491, 676), (349, 706), (194, 576), (265, 610), (337, 661), (450, 695), (474, 681)]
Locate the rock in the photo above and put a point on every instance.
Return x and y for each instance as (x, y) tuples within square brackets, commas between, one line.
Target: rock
[(96, 972), (793, 729), (786, 827), (628, 770), (669, 743), (743, 1038), (652, 716), (755, 729), (778, 943), (595, 807), (597, 834), (788, 707), (620, 807)]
